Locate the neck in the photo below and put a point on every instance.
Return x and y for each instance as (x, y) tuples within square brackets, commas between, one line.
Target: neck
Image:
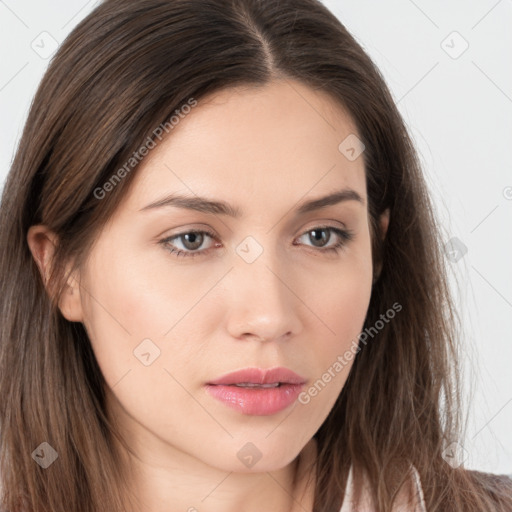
[(160, 477), (183, 483)]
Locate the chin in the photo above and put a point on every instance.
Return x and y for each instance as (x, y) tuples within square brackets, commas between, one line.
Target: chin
[(264, 455)]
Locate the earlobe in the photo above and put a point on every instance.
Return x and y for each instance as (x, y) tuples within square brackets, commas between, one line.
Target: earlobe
[(70, 303), (42, 243), (384, 223), (383, 229)]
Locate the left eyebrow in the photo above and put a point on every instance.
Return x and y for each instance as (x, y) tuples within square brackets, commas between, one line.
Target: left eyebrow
[(205, 205), (346, 194)]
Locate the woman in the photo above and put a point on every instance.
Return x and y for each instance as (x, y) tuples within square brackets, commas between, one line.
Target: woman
[(176, 334)]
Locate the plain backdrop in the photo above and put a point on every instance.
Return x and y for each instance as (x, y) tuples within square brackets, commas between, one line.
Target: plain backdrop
[(448, 65)]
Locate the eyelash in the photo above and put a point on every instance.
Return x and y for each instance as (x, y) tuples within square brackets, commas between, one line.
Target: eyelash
[(345, 237)]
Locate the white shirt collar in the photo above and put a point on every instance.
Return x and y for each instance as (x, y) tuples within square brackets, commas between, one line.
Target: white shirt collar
[(405, 501)]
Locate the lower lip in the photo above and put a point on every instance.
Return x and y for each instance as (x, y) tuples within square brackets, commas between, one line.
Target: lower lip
[(256, 401)]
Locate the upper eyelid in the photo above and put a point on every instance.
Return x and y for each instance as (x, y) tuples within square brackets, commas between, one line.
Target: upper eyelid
[(342, 226), (212, 235)]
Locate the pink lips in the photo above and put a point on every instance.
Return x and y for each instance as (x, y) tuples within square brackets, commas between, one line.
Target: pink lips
[(257, 391)]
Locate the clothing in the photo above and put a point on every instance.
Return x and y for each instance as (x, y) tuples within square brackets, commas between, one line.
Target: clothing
[(497, 486), (406, 502), (410, 498)]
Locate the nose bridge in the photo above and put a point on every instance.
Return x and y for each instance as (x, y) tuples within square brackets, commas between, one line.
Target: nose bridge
[(263, 304), (259, 273)]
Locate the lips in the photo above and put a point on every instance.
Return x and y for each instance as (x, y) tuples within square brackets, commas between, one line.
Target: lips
[(257, 391), (260, 376)]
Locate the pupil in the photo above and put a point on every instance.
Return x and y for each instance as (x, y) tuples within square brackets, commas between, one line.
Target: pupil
[(193, 238), (315, 232)]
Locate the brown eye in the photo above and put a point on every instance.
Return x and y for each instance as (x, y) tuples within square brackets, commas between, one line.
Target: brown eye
[(320, 236), (188, 243), (192, 241)]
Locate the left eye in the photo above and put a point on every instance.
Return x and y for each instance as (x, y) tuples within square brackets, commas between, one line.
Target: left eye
[(191, 241), (316, 235)]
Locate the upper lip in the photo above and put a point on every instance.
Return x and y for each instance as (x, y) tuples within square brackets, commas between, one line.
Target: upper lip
[(260, 376)]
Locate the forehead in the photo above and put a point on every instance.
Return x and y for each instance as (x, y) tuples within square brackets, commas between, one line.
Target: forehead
[(253, 146)]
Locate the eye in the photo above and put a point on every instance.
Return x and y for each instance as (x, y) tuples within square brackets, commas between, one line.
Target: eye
[(321, 235), (192, 241)]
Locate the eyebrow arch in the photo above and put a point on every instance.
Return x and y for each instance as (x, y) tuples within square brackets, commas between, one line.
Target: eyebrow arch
[(202, 204)]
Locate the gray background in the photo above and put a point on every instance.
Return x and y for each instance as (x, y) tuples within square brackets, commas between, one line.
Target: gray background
[(457, 102)]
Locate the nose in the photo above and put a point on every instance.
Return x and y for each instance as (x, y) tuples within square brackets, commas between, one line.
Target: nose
[(262, 304)]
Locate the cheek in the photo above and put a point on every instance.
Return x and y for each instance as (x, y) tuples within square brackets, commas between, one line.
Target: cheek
[(122, 308), (341, 295), (344, 304), (142, 298), (136, 306)]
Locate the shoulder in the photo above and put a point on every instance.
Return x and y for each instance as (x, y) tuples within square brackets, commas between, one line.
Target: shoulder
[(492, 483)]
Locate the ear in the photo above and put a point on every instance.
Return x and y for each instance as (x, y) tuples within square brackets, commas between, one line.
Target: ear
[(384, 223), (383, 229), (42, 243)]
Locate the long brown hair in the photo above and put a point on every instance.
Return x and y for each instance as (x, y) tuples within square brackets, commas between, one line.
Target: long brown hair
[(122, 73)]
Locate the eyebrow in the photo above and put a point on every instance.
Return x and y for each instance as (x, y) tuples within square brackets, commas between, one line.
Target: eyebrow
[(205, 205)]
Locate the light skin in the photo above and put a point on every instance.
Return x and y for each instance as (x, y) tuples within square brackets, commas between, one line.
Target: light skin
[(266, 152)]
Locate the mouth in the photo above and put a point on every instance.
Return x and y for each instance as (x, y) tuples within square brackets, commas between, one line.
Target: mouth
[(260, 377), (257, 391), (254, 385)]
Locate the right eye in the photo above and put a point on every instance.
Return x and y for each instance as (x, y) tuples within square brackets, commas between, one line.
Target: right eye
[(190, 241)]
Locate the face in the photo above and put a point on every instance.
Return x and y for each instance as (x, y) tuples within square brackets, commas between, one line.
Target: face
[(174, 298)]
